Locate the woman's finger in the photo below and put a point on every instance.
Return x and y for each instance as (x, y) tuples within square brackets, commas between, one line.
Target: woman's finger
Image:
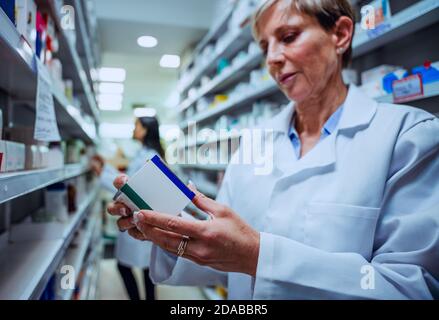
[(206, 204), (118, 209), (136, 234), (120, 181), (172, 223), (125, 224), (170, 241)]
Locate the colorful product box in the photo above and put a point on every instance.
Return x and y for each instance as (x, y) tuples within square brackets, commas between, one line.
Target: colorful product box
[(2, 156), (8, 6)]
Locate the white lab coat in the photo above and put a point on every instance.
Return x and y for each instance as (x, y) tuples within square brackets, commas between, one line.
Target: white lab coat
[(129, 251), (356, 218)]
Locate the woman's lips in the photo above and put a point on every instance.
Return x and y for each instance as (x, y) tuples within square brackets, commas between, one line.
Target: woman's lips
[(287, 77)]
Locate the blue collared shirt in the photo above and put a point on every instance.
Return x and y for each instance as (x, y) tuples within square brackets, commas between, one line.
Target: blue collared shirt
[(328, 128)]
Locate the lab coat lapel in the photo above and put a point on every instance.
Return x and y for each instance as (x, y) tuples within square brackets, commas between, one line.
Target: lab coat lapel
[(358, 111)]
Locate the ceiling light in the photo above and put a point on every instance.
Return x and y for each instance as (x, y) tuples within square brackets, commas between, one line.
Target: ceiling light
[(111, 88), (116, 130), (144, 112), (112, 74), (112, 106), (170, 61), (147, 42), (104, 98)]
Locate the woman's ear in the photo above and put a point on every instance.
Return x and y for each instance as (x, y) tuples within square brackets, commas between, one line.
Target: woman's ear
[(343, 33)]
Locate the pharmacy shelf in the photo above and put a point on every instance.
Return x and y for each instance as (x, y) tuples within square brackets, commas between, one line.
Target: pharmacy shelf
[(16, 184), (18, 78), (91, 275), (84, 47), (71, 62), (266, 88), (26, 267), (210, 167), (75, 255), (229, 136), (408, 21), (211, 294), (430, 90), (235, 43), (218, 29), (225, 78)]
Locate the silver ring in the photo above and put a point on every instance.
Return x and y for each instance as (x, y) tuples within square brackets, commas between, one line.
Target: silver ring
[(182, 246)]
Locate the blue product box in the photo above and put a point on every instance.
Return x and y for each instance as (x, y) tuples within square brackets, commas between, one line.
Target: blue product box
[(429, 73), (8, 7)]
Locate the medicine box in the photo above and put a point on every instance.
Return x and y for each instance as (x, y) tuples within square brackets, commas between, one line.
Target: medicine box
[(377, 73), (155, 187), (15, 156), (8, 6), (26, 16), (2, 156)]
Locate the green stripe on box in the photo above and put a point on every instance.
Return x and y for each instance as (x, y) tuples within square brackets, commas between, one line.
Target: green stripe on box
[(135, 198)]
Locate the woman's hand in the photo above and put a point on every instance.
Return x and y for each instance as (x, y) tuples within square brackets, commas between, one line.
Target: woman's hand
[(224, 243), (97, 164), (125, 223)]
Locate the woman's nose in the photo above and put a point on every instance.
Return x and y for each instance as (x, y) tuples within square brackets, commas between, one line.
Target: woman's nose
[(274, 56)]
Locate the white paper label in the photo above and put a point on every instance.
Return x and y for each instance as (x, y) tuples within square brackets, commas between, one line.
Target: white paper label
[(46, 128), (408, 88)]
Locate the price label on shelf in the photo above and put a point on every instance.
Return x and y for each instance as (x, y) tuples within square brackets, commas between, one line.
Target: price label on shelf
[(46, 127), (408, 88)]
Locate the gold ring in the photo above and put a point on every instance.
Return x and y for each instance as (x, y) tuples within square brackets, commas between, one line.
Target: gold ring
[(182, 246)]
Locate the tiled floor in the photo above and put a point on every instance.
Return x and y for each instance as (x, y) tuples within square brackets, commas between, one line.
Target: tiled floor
[(111, 286)]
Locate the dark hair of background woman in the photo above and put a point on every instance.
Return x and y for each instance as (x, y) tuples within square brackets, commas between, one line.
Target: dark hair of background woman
[(152, 137)]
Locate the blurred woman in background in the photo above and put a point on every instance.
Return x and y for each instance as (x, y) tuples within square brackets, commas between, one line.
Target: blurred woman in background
[(131, 253)]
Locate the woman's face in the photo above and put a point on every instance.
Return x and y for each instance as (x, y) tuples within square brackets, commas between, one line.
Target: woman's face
[(300, 55), (139, 132)]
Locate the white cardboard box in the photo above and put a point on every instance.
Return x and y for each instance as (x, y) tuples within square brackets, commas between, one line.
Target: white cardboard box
[(15, 156)]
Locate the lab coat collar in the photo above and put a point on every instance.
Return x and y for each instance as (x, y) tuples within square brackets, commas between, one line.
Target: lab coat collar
[(358, 111)]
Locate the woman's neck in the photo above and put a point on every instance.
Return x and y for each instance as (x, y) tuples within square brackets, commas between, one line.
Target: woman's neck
[(312, 114)]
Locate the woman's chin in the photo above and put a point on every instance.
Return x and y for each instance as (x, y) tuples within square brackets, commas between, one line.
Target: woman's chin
[(297, 94)]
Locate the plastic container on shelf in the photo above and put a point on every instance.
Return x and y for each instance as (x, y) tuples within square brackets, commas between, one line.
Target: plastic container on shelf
[(55, 197)]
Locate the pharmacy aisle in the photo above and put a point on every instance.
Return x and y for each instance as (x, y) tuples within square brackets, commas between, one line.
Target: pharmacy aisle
[(165, 91), (50, 217)]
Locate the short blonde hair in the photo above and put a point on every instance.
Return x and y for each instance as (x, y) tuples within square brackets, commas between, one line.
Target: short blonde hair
[(327, 12)]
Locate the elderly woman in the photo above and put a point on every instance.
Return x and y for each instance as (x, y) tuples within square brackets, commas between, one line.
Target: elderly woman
[(351, 207)]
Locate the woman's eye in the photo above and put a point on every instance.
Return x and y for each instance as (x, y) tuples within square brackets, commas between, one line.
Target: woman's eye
[(289, 38)]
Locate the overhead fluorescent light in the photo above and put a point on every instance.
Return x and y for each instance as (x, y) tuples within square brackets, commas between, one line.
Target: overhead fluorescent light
[(147, 42), (112, 74), (104, 98), (111, 88), (110, 106), (116, 130), (144, 112), (110, 102), (170, 61)]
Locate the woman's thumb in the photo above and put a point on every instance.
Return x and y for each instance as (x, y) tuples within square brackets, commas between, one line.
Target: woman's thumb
[(204, 203)]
